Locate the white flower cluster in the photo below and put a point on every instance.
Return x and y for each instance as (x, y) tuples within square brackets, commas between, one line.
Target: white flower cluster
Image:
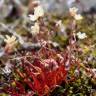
[(38, 12), (35, 29), (10, 40), (81, 35), (73, 12), (11, 43)]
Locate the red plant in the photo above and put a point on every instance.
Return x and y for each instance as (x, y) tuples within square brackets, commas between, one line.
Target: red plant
[(41, 79), (41, 72)]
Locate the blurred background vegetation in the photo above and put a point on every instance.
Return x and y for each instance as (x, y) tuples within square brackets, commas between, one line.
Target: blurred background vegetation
[(14, 17)]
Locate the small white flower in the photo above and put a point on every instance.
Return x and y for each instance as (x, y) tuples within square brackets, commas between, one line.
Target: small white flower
[(78, 17), (81, 35), (10, 40), (61, 26), (73, 11), (7, 69), (35, 29), (55, 44), (38, 12), (10, 43), (59, 23)]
